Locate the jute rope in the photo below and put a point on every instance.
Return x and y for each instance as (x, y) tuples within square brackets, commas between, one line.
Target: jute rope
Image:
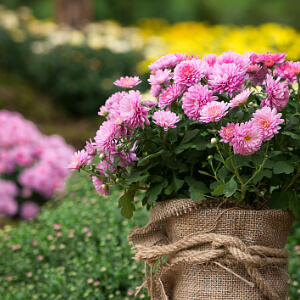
[(225, 249)]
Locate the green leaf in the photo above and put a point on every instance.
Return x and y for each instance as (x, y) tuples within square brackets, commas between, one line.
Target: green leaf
[(218, 190), (136, 177), (217, 187), (143, 160), (241, 161), (126, 205), (177, 182), (170, 189), (182, 147), (282, 167), (190, 135), (155, 190), (294, 203), (197, 189), (205, 173), (202, 143), (278, 201), (230, 187), (261, 174), (116, 160), (292, 135), (222, 173)]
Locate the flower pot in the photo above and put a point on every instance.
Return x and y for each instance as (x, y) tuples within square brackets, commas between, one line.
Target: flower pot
[(215, 253)]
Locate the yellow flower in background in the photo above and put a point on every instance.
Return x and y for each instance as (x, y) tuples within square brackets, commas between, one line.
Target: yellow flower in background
[(153, 37)]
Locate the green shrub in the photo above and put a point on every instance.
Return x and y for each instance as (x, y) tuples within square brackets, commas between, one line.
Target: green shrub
[(76, 249), (79, 78)]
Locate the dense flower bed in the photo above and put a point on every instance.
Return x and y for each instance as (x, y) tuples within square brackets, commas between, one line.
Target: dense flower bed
[(31, 166)]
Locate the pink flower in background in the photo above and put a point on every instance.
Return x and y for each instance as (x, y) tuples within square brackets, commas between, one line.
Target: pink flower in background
[(132, 112), (160, 77), (100, 187), (240, 98), (104, 138), (155, 90), (213, 111), (165, 119), (247, 138), (268, 120), (150, 103), (8, 206), (227, 132), (29, 210), (167, 61), (189, 72), (127, 82), (169, 95), (269, 59), (79, 159), (195, 99), (8, 188), (289, 70), (227, 78), (278, 93)]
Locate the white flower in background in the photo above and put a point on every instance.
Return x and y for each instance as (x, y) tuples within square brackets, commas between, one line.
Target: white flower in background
[(9, 20), (95, 40)]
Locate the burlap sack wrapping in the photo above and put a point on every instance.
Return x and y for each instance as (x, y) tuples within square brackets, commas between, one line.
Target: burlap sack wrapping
[(214, 253)]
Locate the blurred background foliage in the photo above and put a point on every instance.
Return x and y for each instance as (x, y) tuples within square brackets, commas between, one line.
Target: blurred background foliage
[(246, 12)]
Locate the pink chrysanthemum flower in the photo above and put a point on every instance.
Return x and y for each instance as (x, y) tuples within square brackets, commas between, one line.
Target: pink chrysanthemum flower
[(210, 59), (170, 94), (213, 111), (268, 120), (240, 98), (247, 138), (278, 93), (104, 138), (189, 72), (227, 132), (194, 99), (232, 57), (114, 100), (155, 90), (79, 159), (165, 119), (101, 188), (167, 61), (289, 70), (132, 112), (103, 111), (269, 59), (160, 77), (227, 78), (127, 82)]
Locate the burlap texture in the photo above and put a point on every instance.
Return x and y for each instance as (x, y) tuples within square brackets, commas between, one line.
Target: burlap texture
[(220, 253)]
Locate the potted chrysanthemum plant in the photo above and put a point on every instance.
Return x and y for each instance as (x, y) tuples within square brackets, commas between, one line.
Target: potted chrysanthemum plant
[(215, 152)]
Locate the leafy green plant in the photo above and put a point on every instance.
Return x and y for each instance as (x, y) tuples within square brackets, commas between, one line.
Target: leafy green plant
[(76, 249)]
